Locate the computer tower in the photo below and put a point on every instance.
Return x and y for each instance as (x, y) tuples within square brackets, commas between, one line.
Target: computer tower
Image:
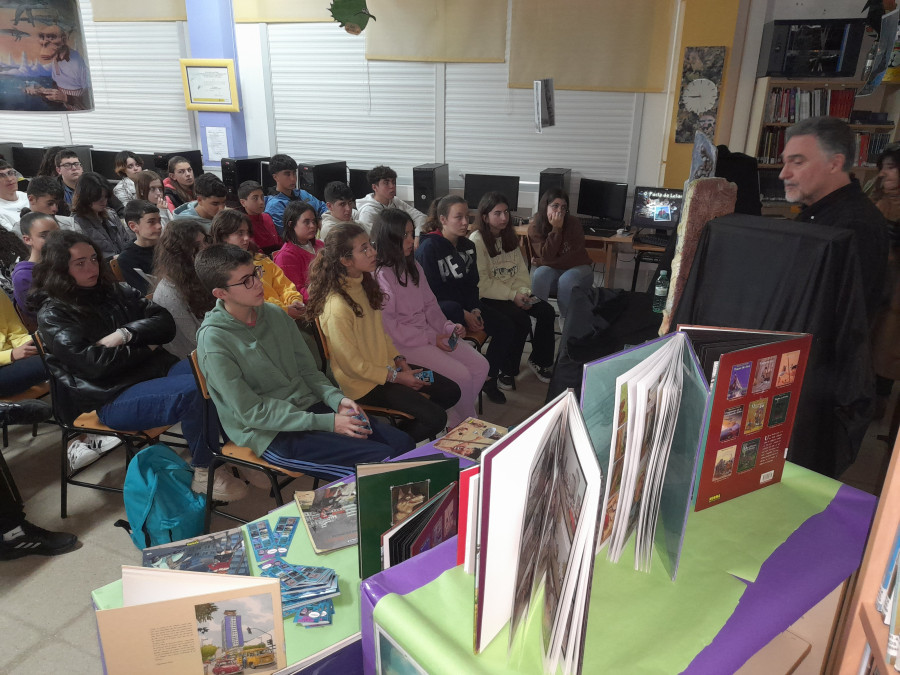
[(6, 151), (430, 182), (314, 176), (554, 178), (265, 176), (359, 184), (236, 170), (161, 161)]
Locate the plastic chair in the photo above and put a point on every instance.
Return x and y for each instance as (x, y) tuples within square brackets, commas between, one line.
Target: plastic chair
[(241, 456)]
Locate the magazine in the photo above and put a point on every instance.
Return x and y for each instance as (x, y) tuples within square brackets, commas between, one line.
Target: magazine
[(470, 438), (329, 514)]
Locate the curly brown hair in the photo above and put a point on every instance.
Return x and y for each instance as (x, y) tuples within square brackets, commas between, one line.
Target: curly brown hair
[(328, 274), (173, 259)]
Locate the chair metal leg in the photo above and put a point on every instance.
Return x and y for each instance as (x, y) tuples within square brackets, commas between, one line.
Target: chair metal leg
[(6, 475), (34, 430), (207, 516), (5, 436), (64, 475)]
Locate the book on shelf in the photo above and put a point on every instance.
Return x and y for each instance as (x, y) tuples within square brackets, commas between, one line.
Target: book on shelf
[(329, 514), (787, 105), (172, 621), (388, 493), (218, 552), (470, 438)]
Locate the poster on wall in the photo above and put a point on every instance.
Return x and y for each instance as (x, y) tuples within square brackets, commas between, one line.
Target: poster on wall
[(43, 60)]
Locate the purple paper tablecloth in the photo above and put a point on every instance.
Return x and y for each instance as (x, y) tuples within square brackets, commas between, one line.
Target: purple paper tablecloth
[(787, 586)]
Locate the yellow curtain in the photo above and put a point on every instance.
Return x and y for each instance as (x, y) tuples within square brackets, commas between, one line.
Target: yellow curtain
[(437, 30), (610, 45), (158, 10), (281, 11)]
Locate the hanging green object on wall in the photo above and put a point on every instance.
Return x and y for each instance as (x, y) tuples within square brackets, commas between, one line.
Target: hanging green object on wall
[(352, 15)]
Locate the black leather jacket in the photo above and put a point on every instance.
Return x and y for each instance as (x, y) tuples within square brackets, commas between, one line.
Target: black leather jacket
[(89, 375)]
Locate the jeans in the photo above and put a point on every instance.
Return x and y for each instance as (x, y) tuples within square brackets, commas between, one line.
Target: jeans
[(327, 455), (165, 401), (429, 415), (547, 280), (544, 340), (19, 375)]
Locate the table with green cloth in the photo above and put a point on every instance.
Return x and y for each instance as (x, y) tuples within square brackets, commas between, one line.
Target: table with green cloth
[(750, 567), (300, 642)]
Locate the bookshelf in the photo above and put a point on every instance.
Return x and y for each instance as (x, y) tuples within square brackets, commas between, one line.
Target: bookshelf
[(779, 103), (863, 624)]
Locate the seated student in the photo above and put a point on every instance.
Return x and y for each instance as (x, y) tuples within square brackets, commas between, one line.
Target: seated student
[(560, 261), (413, 319), (12, 201), (233, 227), (179, 186), (18, 537), (504, 285), (142, 219), (284, 172), (12, 251), (264, 382), (48, 162), (44, 196), (149, 187), (36, 227), (368, 367), (300, 244), (383, 180), (253, 201), (128, 165), (178, 288), (211, 193), (94, 219), (339, 199), (448, 259), (103, 342), (70, 170)]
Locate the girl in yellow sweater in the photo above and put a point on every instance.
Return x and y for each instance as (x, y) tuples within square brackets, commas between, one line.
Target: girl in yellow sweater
[(345, 297), (234, 227)]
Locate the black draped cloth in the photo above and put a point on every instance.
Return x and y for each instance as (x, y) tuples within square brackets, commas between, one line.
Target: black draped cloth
[(773, 274)]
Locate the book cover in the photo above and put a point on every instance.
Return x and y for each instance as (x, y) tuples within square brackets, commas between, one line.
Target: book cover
[(173, 621), (218, 552), (470, 438), (468, 511), (389, 493), (430, 525), (329, 514)]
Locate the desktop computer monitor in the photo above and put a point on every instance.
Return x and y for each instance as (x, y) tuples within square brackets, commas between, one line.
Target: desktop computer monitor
[(104, 162), (602, 199), (656, 208), (27, 161), (477, 184)]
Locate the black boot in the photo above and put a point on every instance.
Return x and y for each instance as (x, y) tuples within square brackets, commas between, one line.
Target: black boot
[(29, 411)]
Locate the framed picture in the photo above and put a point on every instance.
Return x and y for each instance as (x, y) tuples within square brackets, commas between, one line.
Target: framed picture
[(209, 85)]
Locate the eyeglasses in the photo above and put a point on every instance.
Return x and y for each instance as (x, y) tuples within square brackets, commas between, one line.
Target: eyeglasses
[(12, 173), (365, 250), (71, 165), (248, 280)]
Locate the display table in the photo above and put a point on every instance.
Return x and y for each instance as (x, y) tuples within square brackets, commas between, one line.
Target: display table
[(300, 642), (750, 568)]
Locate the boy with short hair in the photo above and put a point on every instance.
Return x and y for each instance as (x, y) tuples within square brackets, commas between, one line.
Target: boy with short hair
[(264, 382), (12, 201), (284, 172), (339, 199), (143, 219), (210, 192), (68, 171), (44, 196), (383, 180), (250, 193)]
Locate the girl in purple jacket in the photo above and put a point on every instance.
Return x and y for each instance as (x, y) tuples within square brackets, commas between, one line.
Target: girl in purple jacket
[(413, 319)]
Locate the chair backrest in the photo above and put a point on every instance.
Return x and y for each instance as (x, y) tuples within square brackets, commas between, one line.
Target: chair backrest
[(115, 269), (198, 376)]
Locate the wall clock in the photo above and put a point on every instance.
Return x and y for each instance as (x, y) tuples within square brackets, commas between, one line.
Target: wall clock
[(701, 83)]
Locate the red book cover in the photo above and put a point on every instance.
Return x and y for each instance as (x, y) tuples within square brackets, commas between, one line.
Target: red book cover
[(750, 416), (465, 482)]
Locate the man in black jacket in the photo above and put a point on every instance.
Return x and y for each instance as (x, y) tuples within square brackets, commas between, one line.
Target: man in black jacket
[(818, 155)]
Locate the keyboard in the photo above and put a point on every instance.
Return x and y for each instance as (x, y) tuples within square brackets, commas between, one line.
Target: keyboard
[(598, 227), (652, 240)]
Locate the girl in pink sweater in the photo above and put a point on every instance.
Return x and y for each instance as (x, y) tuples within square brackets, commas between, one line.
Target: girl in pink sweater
[(300, 244), (413, 319)]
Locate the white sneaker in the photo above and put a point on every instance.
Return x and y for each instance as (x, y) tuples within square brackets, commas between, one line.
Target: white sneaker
[(81, 454), (226, 488), (102, 444), (256, 478)]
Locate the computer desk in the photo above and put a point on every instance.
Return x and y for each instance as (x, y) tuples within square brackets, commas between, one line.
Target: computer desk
[(600, 250)]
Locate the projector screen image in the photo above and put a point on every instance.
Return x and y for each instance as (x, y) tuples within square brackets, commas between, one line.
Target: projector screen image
[(657, 208)]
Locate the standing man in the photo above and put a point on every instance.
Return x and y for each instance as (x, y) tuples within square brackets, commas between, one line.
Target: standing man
[(818, 155)]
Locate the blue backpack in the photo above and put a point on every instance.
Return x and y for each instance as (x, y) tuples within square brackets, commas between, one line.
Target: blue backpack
[(159, 503)]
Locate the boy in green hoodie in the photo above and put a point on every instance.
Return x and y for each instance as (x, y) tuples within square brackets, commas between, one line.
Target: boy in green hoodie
[(269, 394)]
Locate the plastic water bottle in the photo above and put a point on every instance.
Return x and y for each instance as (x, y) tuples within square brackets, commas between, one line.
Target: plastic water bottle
[(661, 292)]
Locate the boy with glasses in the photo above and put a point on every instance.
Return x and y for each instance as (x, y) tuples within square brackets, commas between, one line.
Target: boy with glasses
[(269, 393)]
